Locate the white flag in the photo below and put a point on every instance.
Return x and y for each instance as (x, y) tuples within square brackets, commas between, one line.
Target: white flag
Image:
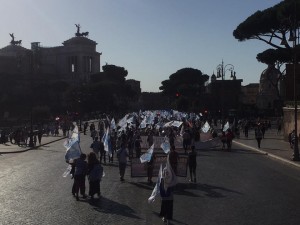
[(226, 127), (156, 191), (165, 145), (146, 157), (205, 127), (72, 146)]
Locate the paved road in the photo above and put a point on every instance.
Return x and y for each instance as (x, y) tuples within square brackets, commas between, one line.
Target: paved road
[(239, 187)]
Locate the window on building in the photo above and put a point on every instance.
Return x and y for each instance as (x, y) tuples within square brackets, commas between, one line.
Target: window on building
[(72, 64)]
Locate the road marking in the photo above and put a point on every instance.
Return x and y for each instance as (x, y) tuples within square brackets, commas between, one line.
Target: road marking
[(269, 154)]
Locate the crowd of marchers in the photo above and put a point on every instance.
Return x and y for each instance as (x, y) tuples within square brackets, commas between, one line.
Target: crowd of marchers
[(125, 143)]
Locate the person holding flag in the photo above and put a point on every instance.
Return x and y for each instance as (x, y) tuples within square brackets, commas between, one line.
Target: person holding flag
[(164, 188), (122, 155), (148, 158)]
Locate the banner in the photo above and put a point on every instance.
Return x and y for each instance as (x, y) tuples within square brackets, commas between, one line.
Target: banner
[(158, 140)]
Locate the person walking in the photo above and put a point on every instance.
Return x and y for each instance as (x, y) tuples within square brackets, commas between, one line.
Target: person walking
[(137, 146), (122, 155), (186, 140), (246, 128), (229, 138), (258, 135), (102, 152), (192, 162), (150, 138), (79, 176), (223, 140), (166, 193), (96, 147), (173, 157), (95, 173), (40, 135), (150, 167)]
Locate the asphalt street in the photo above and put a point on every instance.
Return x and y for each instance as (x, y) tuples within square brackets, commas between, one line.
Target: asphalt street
[(245, 186)]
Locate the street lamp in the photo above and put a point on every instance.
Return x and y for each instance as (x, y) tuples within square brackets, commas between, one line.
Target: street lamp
[(293, 37), (222, 69)]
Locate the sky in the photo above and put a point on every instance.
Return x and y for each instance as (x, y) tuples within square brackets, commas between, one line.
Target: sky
[(151, 39)]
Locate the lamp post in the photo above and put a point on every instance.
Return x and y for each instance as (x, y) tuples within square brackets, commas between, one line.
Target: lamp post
[(293, 37), (222, 69)]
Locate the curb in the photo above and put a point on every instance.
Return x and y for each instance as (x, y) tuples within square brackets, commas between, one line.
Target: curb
[(285, 161)]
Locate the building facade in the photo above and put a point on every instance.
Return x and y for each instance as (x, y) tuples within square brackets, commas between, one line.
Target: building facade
[(74, 61)]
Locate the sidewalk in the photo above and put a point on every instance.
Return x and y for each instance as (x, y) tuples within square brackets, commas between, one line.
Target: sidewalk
[(272, 145), (13, 148)]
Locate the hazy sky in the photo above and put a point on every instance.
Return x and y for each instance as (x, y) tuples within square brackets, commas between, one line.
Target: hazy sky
[(152, 39)]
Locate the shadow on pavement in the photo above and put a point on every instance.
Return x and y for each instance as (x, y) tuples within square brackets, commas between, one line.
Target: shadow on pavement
[(181, 189), (143, 185), (178, 222), (105, 205)]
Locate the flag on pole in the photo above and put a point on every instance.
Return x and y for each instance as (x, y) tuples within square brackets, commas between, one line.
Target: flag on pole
[(156, 191), (226, 127), (169, 175), (113, 124), (72, 146), (165, 145), (182, 130), (105, 139), (146, 157), (205, 127)]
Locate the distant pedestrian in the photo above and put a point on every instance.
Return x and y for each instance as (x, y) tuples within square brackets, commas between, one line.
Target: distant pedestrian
[(173, 157), (229, 138), (186, 140), (246, 129), (150, 138), (291, 138), (263, 130), (85, 126), (122, 155), (137, 146), (258, 135), (102, 152), (192, 162), (150, 167), (96, 147), (278, 127), (40, 135), (223, 140), (95, 173)]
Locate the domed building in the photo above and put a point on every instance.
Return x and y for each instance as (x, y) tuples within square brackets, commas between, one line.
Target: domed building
[(269, 89)]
